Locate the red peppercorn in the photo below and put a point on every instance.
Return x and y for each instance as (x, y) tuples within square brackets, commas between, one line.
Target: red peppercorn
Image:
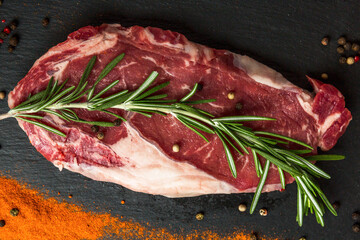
[(3, 20), (1, 41), (356, 58), (7, 30)]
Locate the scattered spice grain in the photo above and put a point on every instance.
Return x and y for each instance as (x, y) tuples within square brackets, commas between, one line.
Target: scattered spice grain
[(14, 40), (13, 25), (347, 46), (11, 48), (1, 41), (122, 202), (3, 35), (263, 212), (356, 58), (3, 20), (302, 238), (238, 106), (356, 227), (2, 95), (100, 135), (7, 30), (242, 207), (355, 216), (340, 50), (70, 196), (342, 60), (231, 95), (324, 76), (2, 223), (325, 41), (253, 236), (94, 128), (117, 122), (14, 212), (341, 41), (350, 60), (199, 216), (355, 47), (336, 205), (176, 148), (45, 21)]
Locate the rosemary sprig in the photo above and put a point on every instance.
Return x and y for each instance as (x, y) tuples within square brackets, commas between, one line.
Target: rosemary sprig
[(60, 101)]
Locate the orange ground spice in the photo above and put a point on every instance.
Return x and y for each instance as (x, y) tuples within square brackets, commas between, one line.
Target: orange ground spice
[(47, 218)]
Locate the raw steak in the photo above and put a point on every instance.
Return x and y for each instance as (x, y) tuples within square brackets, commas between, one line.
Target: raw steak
[(138, 154)]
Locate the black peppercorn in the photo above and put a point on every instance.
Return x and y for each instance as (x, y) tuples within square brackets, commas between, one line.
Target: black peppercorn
[(100, 135), (117, 122), (200, 87), (356, 227), (238, 106), (340, 50), (14, 40), (336, 205), (347, 46), (11, 48), (355, 216), (3, 35), (14, 212), (45, 21), (325, 41), (355, 47), (253, 236), (13, 25), (2, 223), (341, 41), (94, 128), (342, 60)]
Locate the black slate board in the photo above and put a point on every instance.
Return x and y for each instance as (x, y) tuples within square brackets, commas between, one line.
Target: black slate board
[(284, 35)]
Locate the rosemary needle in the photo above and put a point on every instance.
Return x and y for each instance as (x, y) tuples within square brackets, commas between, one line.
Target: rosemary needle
[(61, 102)]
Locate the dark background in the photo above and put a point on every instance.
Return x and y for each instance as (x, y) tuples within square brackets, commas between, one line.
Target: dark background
[(284, 35)]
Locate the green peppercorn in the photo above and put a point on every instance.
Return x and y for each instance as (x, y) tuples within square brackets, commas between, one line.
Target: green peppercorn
[(347, 46), (94, 128), (14, 212), (45, 21), (341, 41), (356, 227), (340, 49), (342, 60), (355, 216), (2, 223), (117, 122), (11, 48), (14, 40)]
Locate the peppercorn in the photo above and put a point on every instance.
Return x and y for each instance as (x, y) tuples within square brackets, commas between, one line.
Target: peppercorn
[(355, 47), (1, 2), (1, 41), (238, 106), (242, 207), (347, 46), (3, 20), (11, 48), (45, 21), (341, 41), (355, 216), (7, 30), (14, 40), (94, 128), (199, 216), (324, 76), (263, 212), (13, 25), (2, 223), (253, 236), (356, 58), (325, 41), (100, 135), (122, 202), (14, 212), (336, 205), (350, 60), (200, 87), (340, 49), (176, 148), (2, 95), (302, 238), (342, 60), (231, 95), (70, 196), (3, 35), (356, 227), (117, 122)]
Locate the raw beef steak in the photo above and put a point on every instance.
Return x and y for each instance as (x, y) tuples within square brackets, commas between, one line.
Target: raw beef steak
[(138, 154)]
